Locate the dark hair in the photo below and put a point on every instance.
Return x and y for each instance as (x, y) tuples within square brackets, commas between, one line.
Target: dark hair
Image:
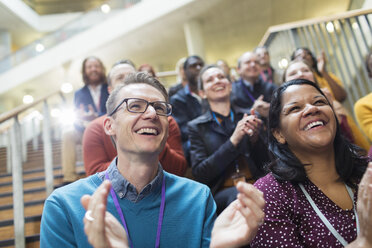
[(314, 60), (350, 160), (135, 78), (120, 62), (141, 68), (187, 61), (204, 69), (85, 77)]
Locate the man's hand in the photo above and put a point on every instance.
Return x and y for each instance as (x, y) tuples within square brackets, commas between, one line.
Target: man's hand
[(261, 106), (102, 228)]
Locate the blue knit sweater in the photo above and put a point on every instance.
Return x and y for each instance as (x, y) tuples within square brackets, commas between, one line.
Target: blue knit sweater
[(188, 216)]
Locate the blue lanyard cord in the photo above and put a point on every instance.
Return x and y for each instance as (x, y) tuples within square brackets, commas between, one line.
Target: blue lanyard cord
[(336, 234), (218, 122), (120, 212)]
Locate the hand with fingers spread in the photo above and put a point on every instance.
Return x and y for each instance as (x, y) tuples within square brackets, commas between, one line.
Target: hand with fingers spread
[(261, 106), (239, 222), (102, 228)]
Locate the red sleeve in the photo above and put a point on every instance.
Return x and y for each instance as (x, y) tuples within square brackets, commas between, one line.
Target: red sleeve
[(172, 158), (98, 150)]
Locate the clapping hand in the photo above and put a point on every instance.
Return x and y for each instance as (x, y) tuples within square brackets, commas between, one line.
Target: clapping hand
[(237, 225), (102, 228)]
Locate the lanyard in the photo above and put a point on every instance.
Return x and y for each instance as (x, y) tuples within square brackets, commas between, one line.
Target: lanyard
[(247, 91), (218, 122), (325, 220), (120, 212)]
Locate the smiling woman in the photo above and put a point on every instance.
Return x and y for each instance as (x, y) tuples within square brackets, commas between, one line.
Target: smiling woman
[(310, 191)]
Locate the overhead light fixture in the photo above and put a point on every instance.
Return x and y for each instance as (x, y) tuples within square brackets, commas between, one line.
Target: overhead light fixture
[(330, 27), (355, 25), (27, 99), (39, 47), (105, 8), (66, 88), (283, 63)]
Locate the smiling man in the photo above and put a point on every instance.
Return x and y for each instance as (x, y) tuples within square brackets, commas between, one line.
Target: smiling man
[(150, 202)]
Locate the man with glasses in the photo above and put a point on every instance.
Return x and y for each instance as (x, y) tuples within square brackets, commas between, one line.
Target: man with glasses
[(99, 150), (155, 208)]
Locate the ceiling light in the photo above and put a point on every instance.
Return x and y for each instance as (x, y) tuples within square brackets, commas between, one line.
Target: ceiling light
[(39, 47), (105, 8), (283, 63), (330, 28), (355, 25), (28, 99), (66, 88)]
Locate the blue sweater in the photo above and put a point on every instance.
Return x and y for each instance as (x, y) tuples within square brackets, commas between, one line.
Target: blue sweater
[(188, 216)]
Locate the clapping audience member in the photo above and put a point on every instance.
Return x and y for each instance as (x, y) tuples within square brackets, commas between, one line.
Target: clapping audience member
[(89, 103), (148, 201), (310, 192), (324, 78), (99, 149), (300, 69), (225, 144)]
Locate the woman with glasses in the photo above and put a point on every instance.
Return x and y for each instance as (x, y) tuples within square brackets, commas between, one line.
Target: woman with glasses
[(225, 144)]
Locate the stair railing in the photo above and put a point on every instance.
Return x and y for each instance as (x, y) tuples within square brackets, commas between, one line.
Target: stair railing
[(345, 38), (16, 154)]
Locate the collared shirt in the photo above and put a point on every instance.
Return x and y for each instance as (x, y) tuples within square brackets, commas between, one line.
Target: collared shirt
[(125, 189), (96, 94), (248, 85)]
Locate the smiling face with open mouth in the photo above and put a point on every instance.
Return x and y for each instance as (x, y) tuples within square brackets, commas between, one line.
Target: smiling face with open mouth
[(216, 86), (139, 132), (307, 121)]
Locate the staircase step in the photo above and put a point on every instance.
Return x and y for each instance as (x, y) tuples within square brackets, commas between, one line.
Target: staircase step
[(34, 196), (31, 228), (32, 210), (32, 241)]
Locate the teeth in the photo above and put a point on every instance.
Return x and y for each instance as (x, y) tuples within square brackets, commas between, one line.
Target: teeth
[(148, 131), (219, 88), (312, 124)]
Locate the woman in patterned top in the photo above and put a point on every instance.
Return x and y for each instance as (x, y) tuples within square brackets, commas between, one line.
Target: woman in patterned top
[(310, 192)]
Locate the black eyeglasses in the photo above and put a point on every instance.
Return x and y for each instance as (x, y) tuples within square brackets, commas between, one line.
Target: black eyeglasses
[(137, 105)]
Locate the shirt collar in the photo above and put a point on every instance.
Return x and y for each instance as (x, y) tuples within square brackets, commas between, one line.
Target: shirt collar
[(125, 189)]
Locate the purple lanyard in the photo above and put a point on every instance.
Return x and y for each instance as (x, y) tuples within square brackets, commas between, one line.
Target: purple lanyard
[(120, 212), (247, 92)]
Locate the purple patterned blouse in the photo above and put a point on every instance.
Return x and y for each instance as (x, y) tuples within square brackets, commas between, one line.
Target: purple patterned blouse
[(290, 220)]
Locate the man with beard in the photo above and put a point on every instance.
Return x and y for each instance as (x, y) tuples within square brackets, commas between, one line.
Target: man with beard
[(187, 104), (89, 103)]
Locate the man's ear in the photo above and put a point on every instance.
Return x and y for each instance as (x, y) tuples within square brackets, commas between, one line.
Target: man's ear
[(108, 123), (279, 136)]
